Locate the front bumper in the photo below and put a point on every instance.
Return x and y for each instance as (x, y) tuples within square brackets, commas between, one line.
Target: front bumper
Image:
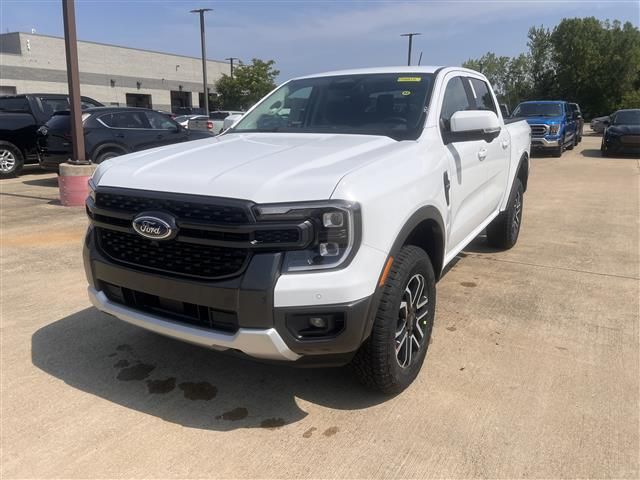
[(263, 329), (623, 145), (541, 142)]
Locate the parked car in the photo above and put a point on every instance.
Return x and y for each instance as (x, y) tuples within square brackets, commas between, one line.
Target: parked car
[(577, 114), (218, 118), (109, 132), (20, 118), (598, 124), (312, 235), (622, 134), (553, 125), (184, 119)]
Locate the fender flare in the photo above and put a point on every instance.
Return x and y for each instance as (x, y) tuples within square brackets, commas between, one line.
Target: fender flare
[(424, 213), (107, 146)]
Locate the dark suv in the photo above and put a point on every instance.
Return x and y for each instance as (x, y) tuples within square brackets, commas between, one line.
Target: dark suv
[(109, 132)]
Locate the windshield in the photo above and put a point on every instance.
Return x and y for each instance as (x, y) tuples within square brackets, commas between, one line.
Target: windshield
[(627, 117), (538, 110), (387, 104)]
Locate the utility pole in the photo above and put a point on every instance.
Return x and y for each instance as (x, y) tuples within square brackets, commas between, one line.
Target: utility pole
[(231, 59), (73, 79), (410, 35), (205, 90)]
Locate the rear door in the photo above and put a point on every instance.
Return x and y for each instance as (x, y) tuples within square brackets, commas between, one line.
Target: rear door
[(496, 161), (131, 129), (466, 176)]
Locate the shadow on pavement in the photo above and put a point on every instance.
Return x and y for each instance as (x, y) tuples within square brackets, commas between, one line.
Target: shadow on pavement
[(43, 182), (480, 245), (596, 153), (185, 384)]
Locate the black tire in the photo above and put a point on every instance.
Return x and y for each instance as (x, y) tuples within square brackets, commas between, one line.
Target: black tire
[(504, 230), (11, 160), (378, 363), (557, 152), (572, 144), (106, 155)]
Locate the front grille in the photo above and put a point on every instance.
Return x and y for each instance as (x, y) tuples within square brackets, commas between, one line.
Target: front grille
[(215, 237), (204, 261), (186, 210), (539, 130), (183, 312)]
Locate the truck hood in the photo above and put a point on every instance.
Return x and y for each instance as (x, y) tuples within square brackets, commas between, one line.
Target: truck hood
[(263, 167), (543, 120)]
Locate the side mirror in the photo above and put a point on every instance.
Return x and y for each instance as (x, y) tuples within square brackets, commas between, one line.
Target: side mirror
[(230, 121), (606, 122), (469, 125)]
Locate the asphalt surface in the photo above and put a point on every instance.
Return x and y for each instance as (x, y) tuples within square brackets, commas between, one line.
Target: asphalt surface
[(533, 370)]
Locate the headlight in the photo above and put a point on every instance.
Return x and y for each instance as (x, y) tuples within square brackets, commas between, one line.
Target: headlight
[(336, 226), (92, 189), (554, 128)]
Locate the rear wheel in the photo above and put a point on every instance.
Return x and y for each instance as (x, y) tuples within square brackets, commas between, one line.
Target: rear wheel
[(391, 358), (107, 155), (503, 232), (11, 160), (572, 143)]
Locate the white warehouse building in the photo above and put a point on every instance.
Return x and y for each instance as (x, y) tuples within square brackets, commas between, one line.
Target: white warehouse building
[(113, 75)]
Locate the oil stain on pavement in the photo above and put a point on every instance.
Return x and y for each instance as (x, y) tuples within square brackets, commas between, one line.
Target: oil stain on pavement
[(198, 390)]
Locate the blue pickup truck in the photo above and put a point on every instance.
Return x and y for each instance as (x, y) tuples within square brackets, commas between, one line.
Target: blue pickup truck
[(554, 125)]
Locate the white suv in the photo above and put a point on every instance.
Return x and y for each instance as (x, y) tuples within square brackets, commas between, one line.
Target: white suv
[(315, 229)]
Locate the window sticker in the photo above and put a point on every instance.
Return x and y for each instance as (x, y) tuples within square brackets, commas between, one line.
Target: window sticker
[(409, 79)]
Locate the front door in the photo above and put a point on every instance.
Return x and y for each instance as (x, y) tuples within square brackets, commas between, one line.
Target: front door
[(467, 176)]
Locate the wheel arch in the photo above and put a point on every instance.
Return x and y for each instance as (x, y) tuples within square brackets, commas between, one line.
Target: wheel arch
[(424, 229), (103, 147), (523, 170)]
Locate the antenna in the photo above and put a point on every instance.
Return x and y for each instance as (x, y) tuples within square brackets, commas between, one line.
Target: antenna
[(420, 59)]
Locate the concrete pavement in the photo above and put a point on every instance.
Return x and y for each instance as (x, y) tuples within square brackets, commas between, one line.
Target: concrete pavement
[(533, 370)]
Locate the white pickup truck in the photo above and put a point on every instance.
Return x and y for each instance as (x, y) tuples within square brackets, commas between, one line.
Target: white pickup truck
[(314, 230)]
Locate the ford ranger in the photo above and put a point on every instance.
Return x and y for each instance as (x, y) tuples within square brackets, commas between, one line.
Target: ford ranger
[(313, 231)]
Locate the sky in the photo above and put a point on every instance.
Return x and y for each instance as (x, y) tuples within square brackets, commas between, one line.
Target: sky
[(309, 36)]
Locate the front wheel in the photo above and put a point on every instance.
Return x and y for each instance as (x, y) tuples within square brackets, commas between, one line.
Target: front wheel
[(391, 358), (11, 160), (503, 232)]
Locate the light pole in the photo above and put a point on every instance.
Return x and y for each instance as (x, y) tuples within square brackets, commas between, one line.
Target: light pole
[(410, 35), (231, 59), (205, 93)]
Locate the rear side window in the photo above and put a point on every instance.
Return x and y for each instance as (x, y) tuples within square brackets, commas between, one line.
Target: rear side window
[(52, 105), (125, 120), (455, 100), (482, 95), (14, 105)]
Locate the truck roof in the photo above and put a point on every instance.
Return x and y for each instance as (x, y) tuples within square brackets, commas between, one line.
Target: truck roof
[(364, 71)]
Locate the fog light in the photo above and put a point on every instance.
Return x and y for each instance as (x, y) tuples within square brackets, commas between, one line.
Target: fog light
[(318, 322), (329, 249)]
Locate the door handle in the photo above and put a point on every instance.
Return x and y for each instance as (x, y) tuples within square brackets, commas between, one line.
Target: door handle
[(505, 144), (482, 154), (119, 135), (159, 136)]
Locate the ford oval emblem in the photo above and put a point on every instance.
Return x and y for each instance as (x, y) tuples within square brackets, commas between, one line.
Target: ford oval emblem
[(155, 227)]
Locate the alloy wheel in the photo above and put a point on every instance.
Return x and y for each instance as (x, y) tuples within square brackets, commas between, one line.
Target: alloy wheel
[(7, 161), (517, 214), (410, 329)]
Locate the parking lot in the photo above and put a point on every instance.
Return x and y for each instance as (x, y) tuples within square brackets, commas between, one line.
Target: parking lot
[(533, 370)]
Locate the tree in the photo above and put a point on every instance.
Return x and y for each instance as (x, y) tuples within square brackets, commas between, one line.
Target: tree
[(583, 60), (542, 66), (248, 85)]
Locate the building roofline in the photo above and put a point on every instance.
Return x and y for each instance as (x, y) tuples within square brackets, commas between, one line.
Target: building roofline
[(116, 46)]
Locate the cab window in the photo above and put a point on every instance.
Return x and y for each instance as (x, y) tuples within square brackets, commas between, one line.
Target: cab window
[(455, 100), (482, 95)]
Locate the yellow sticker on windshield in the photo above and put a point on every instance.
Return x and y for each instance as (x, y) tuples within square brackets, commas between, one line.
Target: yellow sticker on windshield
[(409, 79), (406, 92)]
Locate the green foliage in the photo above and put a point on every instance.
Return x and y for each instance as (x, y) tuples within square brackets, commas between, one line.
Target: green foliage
[(248, 85), (584, 60)]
